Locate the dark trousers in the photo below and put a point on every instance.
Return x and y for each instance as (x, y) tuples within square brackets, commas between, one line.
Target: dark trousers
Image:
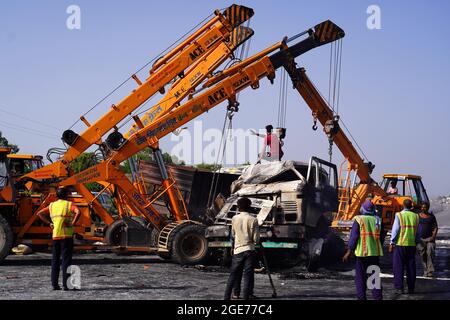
[(62, 256), (237, 284), (242, 263), (404, 257), (362, 263)]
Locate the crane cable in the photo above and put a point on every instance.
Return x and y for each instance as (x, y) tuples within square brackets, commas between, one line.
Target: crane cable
[(334, 88), (141, 68), (282, 99), (227, 128), (242, 51)]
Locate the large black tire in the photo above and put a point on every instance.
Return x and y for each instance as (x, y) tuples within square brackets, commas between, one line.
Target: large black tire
[(282, 258), (154, 237), (188, 245), (6, 238), (114, 233), (333, 248)]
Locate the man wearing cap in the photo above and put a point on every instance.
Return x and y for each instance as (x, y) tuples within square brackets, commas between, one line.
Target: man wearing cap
[(63, 216), (366, 241), (404, 238)]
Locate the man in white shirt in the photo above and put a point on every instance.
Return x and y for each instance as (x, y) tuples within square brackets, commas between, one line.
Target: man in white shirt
[(245, 232), (392, 190)]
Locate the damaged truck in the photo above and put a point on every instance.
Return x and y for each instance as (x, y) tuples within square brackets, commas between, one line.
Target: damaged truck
[(294, 204)]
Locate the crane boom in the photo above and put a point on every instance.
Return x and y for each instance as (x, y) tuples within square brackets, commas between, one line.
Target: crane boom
[(208, 37), (193, 77), (323, 112), (219, 89)]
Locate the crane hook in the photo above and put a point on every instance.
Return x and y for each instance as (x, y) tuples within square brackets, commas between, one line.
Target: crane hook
[(314, 127)]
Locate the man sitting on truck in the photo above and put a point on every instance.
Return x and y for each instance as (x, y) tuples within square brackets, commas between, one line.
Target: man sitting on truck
[(63, 216)]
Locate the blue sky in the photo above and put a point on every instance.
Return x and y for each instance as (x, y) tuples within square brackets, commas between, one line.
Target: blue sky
[(395, 89)]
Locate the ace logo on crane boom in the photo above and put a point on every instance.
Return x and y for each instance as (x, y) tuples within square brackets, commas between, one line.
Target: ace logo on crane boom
[(197, 51), (216, 96)]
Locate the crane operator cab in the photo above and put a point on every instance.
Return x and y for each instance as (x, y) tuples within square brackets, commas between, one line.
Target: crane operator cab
[(405, 185), (13, 166), (3, 168), (20, 164)]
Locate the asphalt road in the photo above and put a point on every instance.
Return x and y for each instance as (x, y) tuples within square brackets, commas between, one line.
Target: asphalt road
[(108, 276)]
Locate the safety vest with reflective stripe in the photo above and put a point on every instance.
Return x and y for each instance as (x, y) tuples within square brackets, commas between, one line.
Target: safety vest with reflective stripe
[(408, 228), (369, 243), (61, 216)]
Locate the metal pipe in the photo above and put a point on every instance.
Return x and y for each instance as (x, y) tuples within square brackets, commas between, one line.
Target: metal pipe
[(160, 162)]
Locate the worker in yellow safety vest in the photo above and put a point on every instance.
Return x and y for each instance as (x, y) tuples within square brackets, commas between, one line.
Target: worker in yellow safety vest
[(366, 241), (404, 238), (63, 216)]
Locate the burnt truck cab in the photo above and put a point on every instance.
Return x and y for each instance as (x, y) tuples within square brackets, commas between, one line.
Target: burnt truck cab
[(293, 202)]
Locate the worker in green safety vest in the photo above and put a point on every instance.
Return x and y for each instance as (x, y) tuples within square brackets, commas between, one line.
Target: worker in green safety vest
[(63, 215), (366, 241), (404, 238)]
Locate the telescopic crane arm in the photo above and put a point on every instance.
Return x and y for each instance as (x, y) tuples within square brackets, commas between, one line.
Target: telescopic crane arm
[(194, 76), (192, 50), (324, 114), (350, 200), (218, 89)]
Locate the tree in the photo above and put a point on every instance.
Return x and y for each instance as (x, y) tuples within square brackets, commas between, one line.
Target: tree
[(5, 143), (147, 155), (208, 166), (83, 162)]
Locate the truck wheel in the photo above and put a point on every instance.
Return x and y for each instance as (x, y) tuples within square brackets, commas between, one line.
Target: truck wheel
[(114, 233), (188, 245), (333, 249), (315, 247), (6, 238)]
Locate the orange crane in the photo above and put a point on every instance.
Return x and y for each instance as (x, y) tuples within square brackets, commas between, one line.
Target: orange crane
[(202, 51), (181, 238), (192, 60), (352, 193)]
